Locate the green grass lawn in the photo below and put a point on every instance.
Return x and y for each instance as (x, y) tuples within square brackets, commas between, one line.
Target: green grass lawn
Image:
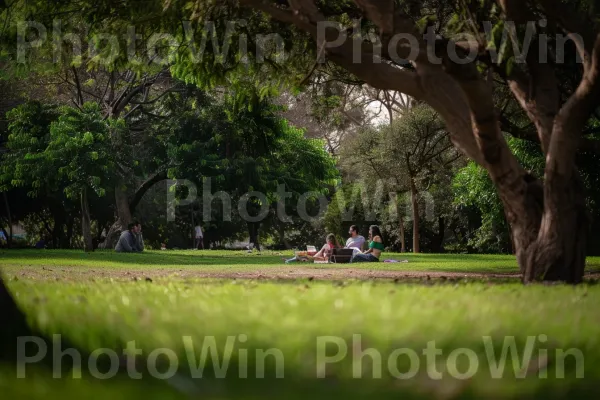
[(242, 260), (218, 260), (299, 322)]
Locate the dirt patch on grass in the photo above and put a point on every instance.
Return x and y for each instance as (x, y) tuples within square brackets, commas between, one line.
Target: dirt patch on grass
[(267, 274), (344, 274)]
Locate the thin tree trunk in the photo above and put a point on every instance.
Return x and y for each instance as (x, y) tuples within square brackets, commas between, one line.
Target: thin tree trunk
[(402, 235), (414, 197), (86, 229), (282, 240), (510, 236), (253, 228), (9, 238), (441, 234), (58, 231), (99, 229), (69, 236)]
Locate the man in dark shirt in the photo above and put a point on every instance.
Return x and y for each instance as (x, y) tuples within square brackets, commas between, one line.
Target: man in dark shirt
[(137, 234), (127, 241)]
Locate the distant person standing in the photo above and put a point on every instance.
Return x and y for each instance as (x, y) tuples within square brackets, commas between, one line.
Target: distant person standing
[(199, 238)]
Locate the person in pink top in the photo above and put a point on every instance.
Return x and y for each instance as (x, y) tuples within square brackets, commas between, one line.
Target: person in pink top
[(327, 249), (324, 253)]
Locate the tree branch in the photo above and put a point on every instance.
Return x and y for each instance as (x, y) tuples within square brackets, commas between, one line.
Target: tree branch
[(571, 120), (578, 28), (377, 73), (141, 191), (78, 86)]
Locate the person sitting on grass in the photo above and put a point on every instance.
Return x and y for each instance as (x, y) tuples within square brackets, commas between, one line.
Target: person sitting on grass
[(355, 241), (127, 241), (375, 247), (137, 235), (323, 254)]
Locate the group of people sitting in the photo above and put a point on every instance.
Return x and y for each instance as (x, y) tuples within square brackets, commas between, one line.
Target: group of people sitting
[(131, 240), (356, 242)]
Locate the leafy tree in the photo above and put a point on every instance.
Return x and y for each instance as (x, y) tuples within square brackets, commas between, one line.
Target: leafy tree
[(346, 208), (244, 146), (23, 174), (65, 150), (473, 188), (417, 148), (80, 151), (407, 156)]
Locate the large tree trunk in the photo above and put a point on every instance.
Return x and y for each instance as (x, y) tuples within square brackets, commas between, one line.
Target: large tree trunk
[(282, 240), (550, 241), (86, 225), (560, 250), (414, 197)]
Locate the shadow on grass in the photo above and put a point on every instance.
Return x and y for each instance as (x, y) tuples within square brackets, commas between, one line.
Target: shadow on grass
[(146, 258)]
